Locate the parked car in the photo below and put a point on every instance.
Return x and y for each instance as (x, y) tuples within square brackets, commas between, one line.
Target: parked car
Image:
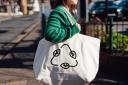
[(123, 9), (98, 9)]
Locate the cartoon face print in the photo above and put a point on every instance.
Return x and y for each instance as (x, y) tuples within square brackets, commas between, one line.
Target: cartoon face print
[(64, 65)]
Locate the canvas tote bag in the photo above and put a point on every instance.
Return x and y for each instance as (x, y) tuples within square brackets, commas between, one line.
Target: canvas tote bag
[(72, 62)]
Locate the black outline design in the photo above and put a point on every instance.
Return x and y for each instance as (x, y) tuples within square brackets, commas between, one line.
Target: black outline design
[(72, 53), (65, 65)]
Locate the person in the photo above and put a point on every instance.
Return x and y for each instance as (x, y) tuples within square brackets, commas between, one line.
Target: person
[(60, 60), (58, 27)]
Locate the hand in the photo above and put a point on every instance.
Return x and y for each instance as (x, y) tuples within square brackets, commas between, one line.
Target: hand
[(78, 26)]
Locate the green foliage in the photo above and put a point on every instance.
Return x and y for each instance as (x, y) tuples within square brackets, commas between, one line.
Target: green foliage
[(119, 41)]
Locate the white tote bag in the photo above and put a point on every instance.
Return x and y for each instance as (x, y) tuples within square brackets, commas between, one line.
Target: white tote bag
[(75, 61)]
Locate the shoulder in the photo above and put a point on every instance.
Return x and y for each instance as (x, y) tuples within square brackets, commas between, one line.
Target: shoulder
[(59, 14), (58, 11)]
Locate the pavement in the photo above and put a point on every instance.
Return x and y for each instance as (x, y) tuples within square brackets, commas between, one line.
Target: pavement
[(18, 42), (16, 67), (5, 16)]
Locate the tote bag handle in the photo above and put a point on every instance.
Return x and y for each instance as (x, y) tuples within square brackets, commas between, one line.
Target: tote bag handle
[(67, 13)]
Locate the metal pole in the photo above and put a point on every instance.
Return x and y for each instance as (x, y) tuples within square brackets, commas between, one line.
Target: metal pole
[(87, 15), (111, 35), (83, 16), (106, 15), (82, 9)]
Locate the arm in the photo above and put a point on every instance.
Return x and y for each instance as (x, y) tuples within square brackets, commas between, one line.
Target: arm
[(56, 32)]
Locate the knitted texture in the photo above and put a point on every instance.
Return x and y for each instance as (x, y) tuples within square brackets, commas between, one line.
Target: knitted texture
[(59, 27)]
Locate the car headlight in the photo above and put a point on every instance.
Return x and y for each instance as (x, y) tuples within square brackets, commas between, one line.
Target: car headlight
[(93, 12), (119, 10)]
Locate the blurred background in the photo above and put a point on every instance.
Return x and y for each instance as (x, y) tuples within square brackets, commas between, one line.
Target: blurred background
[(22, 23)]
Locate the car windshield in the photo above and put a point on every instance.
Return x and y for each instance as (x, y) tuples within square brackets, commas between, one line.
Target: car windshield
[(123, 3), (102, 4)]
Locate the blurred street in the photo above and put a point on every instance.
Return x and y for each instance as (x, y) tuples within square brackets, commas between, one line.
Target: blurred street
[(20, 34), (18, 43)]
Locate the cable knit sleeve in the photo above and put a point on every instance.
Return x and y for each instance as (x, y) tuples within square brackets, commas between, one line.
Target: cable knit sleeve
[(56, 31)]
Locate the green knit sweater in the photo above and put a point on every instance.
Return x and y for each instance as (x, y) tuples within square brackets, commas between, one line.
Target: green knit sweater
[(59, 27)]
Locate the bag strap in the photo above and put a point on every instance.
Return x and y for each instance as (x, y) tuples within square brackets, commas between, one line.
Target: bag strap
[(67, 13)]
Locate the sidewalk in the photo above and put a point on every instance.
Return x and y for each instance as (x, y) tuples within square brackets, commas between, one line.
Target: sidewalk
[(3, 18), (11, 28), (6, 16), (16, 66), (17, 69)]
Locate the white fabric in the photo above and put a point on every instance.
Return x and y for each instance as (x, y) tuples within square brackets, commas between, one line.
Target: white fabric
[(36, 7), (49, 66)]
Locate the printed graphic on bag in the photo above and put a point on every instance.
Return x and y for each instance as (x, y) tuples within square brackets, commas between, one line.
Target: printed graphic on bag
[(64, 65)]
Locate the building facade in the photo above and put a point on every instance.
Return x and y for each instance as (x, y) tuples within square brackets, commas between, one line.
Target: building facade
[(18, 7)]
